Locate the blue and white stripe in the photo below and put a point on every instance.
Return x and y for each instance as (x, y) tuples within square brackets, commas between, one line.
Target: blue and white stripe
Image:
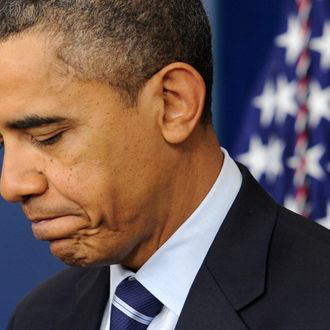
[(131, 312)]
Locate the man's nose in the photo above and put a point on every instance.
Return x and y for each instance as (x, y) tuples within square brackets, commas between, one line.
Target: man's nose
[(20, 178)]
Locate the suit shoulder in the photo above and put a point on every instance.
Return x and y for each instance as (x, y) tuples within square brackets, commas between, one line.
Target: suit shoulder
[(56, 294), (297, 288), (63, 280), (309, 232), (300, 250)]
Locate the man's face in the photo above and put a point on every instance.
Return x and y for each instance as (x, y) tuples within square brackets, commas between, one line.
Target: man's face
[(82, 163)]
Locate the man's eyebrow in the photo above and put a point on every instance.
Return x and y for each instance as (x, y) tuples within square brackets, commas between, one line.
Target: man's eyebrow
[(34, 121)]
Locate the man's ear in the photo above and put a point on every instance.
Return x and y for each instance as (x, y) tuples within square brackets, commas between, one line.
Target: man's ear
[(183, 93)]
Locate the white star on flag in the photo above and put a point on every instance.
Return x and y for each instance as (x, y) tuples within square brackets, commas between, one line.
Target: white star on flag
[(291, 203), (262, 158), (325, 222), (312, 159), (322, 45), (294, 40), (318, 103), (256, 157), (285, 99), (275, 158), (266, 102)]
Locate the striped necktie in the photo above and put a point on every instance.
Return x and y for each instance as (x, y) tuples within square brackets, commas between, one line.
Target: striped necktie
[(133, 306)]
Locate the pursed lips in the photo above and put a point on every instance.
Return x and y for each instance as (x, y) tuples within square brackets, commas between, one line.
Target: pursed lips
[(54, 227), (36, 219)]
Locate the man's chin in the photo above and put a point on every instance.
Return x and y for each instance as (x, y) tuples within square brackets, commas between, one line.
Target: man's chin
[(73, 253), (67, 251)]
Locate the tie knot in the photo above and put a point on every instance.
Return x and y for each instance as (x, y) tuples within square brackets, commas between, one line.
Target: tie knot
[(132, 300)]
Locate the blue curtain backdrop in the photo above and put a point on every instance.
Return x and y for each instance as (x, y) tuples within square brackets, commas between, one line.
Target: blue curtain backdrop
[(243, 31), (246, 32)]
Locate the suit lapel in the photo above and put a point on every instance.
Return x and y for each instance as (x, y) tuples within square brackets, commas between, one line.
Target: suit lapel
[(207, 307), (91, 296), (233, 273)]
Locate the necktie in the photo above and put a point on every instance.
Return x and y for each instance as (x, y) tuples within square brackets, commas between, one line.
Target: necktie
[(133, 306)]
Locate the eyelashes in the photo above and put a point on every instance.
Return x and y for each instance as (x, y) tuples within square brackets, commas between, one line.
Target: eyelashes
[(49, 141), (40, 141)]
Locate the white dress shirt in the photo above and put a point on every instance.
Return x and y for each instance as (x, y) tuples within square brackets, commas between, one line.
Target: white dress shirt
[(171, 270)]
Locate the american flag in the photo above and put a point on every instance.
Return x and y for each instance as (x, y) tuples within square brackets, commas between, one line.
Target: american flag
[(285, 136)]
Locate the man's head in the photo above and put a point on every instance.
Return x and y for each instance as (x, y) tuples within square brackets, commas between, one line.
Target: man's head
[(105, 178), (119, 41)]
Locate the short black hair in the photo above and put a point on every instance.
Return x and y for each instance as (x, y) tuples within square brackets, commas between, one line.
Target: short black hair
[(124, 42)]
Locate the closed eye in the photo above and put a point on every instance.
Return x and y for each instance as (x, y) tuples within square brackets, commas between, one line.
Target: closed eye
[(48, 141)]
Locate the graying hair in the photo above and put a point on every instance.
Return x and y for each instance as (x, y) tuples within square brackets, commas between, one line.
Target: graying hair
[(124, 42)]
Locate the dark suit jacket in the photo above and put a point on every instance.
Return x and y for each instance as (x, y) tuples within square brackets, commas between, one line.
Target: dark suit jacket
[(268, 268)]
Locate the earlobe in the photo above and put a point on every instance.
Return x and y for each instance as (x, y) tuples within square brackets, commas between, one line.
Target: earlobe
[(183, 95)]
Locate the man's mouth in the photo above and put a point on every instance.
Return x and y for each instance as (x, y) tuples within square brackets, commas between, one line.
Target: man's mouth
[(56, 227), (36, 219)]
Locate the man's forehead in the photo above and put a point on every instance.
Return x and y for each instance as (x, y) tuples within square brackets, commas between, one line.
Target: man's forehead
[(24, 52), (29, 56), (28, 66), (28, 83)]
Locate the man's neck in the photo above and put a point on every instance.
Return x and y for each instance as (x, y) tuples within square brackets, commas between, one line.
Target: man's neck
[(196, 170)]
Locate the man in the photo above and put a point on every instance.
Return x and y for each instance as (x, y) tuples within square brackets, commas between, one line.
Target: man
[(108, 145)]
